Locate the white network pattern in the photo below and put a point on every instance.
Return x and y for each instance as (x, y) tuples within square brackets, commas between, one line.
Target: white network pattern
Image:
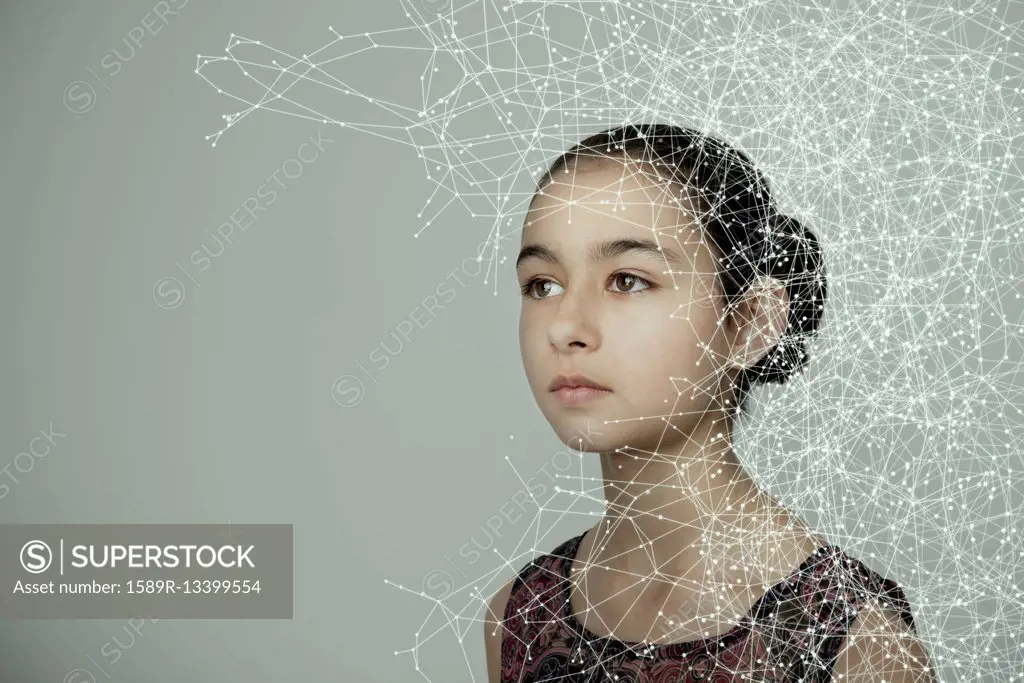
[(893, 130)]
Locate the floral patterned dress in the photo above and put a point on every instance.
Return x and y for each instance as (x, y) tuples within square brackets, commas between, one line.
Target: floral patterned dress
[(793, 633)]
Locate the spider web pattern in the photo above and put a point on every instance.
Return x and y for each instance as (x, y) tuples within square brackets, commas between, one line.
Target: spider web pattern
[(893, 129)]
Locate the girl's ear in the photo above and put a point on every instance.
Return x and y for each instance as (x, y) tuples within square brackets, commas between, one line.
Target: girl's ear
[(760, 319)]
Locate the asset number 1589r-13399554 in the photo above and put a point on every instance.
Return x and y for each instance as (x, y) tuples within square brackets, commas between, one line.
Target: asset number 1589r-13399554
[(203, 586)]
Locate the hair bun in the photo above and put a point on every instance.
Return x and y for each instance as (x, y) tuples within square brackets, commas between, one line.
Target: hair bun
[(796, 260)]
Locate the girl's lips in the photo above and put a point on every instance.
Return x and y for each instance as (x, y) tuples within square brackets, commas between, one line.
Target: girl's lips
[(577, 396)]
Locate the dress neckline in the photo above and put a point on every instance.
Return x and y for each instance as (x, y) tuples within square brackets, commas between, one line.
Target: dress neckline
[(606, 643)]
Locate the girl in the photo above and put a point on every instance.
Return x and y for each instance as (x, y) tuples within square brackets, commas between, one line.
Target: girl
[(660, 283)]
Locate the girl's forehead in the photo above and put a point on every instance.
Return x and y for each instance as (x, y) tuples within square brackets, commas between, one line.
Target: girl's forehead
[(611, 197), (606, 175)]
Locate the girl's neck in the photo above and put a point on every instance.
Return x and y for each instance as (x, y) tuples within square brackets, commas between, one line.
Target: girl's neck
[(667, 507)]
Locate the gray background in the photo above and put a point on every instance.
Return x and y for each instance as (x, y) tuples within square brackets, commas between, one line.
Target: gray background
[(225, 406)]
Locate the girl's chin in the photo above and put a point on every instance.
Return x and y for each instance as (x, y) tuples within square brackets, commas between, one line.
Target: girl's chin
[(579, 436), (591, 433)]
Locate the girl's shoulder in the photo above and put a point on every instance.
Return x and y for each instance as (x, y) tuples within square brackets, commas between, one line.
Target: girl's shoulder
[(541, 580), (839, 584)]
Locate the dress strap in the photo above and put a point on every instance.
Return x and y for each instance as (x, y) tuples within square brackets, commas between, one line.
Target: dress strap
[(835, 591)]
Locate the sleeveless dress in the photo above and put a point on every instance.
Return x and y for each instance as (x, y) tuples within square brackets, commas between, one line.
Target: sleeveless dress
[(793, 633)]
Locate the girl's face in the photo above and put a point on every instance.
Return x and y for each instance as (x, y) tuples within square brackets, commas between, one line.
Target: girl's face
[(602, 301)]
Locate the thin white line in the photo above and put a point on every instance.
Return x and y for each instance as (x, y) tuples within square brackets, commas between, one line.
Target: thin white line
[(99, 79), (99, 667), (456, 567), (367, 372), (186, 273)]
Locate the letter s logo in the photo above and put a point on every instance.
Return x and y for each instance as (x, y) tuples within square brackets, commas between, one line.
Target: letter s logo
[(36, 557), (79, 97)]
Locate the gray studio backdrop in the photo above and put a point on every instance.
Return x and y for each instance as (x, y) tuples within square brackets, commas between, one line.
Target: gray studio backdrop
[(240, 387)]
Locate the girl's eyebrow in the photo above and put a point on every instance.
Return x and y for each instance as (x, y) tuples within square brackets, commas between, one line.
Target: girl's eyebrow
[(604, 251)]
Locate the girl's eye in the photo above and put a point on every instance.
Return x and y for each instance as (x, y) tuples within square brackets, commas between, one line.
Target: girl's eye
[(527, 288), (629, 279)]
